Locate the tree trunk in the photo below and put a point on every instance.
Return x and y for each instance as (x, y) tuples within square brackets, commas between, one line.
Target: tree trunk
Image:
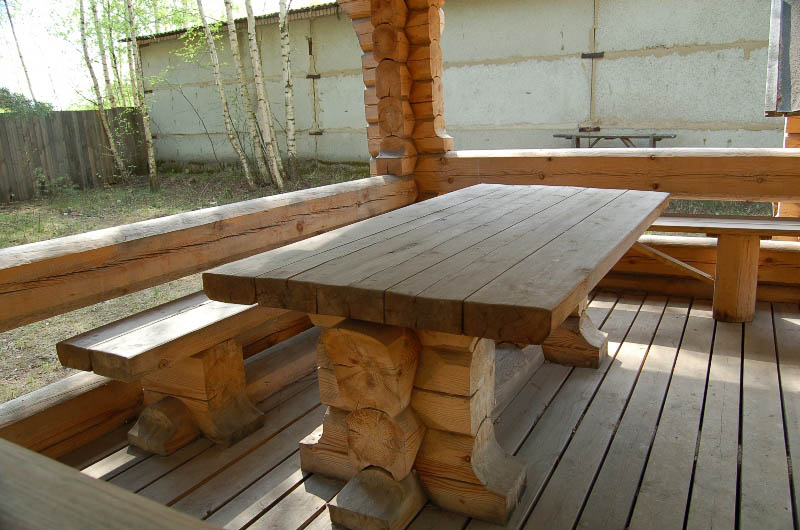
[(288, 90), (265, 115), (19, 51), (132, 76), (100, 104), (102, 48), (233, 37), (148, 136), (112, 52), (212, 50)]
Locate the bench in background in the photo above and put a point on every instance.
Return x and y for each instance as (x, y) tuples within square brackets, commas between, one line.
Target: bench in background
[(738, 245)]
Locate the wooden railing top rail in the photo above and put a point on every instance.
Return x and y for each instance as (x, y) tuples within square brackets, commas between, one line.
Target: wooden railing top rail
[(40, 280), (695, 173)]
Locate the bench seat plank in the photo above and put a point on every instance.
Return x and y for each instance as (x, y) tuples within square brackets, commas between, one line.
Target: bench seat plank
[(132, 347), (724, 224)]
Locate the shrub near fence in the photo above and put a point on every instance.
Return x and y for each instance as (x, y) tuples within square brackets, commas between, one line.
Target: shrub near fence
[(64, 147)]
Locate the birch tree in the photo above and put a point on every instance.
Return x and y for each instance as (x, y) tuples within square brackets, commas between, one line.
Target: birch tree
[(100, 103), (148, 136), (112, 50), (212, 50), (263, 172), (19, 51), (101, 46), (288, 89), (264, 112)]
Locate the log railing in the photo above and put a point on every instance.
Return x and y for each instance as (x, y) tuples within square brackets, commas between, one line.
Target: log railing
[(40, 280), (687, 173)]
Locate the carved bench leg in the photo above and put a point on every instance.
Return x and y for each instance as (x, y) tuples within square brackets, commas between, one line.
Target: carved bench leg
[(207, 391), (577, 342), (460, 464)]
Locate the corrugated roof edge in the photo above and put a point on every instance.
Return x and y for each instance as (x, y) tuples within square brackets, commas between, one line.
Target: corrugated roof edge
[(302, 13)]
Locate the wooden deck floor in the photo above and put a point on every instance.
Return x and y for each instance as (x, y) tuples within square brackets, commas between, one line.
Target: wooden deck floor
[(688, 424)]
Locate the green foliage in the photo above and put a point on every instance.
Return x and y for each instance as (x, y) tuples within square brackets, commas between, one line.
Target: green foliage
[(11, 102)]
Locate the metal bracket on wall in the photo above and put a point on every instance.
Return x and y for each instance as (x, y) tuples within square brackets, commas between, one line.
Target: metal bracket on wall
[(593, 55)]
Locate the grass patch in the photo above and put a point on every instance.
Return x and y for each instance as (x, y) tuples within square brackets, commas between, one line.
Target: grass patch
[(690, 207), (27, 354)]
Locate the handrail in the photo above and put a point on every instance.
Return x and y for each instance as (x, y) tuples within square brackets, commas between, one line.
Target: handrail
[(691, 173), (40, 280)]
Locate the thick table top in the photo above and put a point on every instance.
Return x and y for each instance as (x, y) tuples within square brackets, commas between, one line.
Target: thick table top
[(508, 263)]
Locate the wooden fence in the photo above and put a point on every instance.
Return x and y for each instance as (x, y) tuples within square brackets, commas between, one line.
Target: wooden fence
[(64, 148)]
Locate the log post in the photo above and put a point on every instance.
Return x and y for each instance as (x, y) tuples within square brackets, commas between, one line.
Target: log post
[(402, 64), (205, 394), (736, 279)]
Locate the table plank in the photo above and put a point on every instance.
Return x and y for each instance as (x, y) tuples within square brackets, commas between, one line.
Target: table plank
[(434, 298), (297, 284), (234, 282), (504, 262), (535, 296), (358, 290)]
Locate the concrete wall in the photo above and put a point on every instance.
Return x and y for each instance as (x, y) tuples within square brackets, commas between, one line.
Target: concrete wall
[(514, 76)]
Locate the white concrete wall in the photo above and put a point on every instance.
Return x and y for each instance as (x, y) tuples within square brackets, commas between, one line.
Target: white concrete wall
[(514, 76)]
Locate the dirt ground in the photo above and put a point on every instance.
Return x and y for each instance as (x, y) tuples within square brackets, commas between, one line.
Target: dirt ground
[(27, 355)]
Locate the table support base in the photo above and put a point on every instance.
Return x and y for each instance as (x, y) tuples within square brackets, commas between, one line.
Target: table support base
[(577, 342), (409, 406)]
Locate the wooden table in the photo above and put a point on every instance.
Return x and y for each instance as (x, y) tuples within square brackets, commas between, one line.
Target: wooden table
[(412, 303)]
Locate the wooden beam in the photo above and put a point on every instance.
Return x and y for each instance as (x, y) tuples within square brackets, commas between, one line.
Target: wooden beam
[(48, 278), (40, 493), (67, 414), (694, 173), (677, 265)]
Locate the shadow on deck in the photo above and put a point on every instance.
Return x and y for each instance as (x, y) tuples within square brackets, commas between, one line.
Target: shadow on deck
[(689, 423)]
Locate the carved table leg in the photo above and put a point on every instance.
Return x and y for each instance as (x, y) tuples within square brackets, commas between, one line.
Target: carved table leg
[(202, 394), (370, 434), (577, 342), (397, 400), (460, 464)]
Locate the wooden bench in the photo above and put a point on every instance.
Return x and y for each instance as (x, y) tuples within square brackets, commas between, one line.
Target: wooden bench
[(738, 244), (188, 357)]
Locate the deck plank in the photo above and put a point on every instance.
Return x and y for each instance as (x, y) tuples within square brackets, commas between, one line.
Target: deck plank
[(148, 471), (302, 505), (713, 501), (614, 490), (237, 477), (544, 444), (202, 468), (561, 501), (260, 496), (664, 491), (787, 331), (765, 493)]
